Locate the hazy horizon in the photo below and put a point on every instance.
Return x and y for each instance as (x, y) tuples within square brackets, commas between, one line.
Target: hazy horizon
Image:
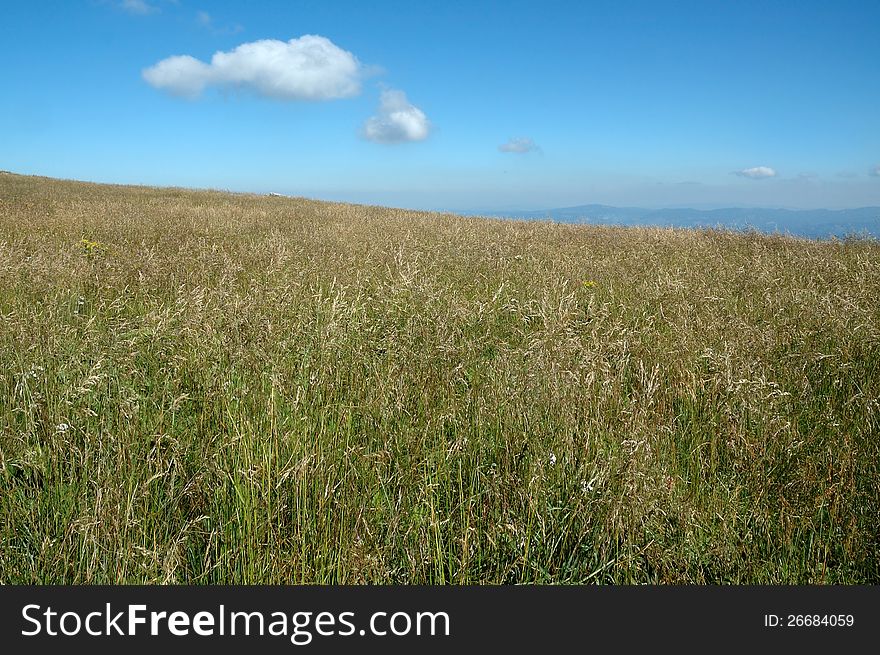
[(396, 200)]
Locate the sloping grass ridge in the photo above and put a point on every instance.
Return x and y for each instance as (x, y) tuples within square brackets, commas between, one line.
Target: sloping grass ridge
[(202, 387)]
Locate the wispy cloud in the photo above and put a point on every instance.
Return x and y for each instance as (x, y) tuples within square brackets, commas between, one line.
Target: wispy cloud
[(522, 144), (756, 173), (874, 172), (205, 20), (139, 7), (310, 67), (397, 121)]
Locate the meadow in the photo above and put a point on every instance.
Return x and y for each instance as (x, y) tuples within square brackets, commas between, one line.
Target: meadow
[(206, 387)]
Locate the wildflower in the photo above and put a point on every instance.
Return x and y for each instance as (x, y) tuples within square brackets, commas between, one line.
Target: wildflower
[(552, 459), (62, 427), (34, 373), (589, 284), (91, 248)]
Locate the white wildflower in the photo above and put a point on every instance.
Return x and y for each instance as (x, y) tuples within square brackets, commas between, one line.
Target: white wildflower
[(587, 487), (35, 372)]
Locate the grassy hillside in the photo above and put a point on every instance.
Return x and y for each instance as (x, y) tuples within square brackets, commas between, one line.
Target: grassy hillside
[(204, 387)]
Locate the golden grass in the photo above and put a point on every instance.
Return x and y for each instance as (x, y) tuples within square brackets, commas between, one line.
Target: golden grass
[(202, 387)]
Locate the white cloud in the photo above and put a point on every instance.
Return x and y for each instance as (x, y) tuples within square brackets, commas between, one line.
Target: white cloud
[(182, 75), (140, 7), (521, 144), (397, 120), (756, 173), (308, 68), (875, 172)]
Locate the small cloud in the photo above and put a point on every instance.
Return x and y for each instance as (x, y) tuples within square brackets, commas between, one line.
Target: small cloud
[(139, 7), (847, 175), (874, 172), (520, 145), (397, 121), (310, 67), (205, 20), (756, 173)]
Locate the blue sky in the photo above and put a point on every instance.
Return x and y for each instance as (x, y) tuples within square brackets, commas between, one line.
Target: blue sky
[(452, 105)]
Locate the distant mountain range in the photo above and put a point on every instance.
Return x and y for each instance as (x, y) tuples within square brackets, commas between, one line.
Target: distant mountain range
[(811, 223)]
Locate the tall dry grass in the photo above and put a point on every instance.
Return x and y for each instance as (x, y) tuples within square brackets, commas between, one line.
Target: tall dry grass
[(201, 387)]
